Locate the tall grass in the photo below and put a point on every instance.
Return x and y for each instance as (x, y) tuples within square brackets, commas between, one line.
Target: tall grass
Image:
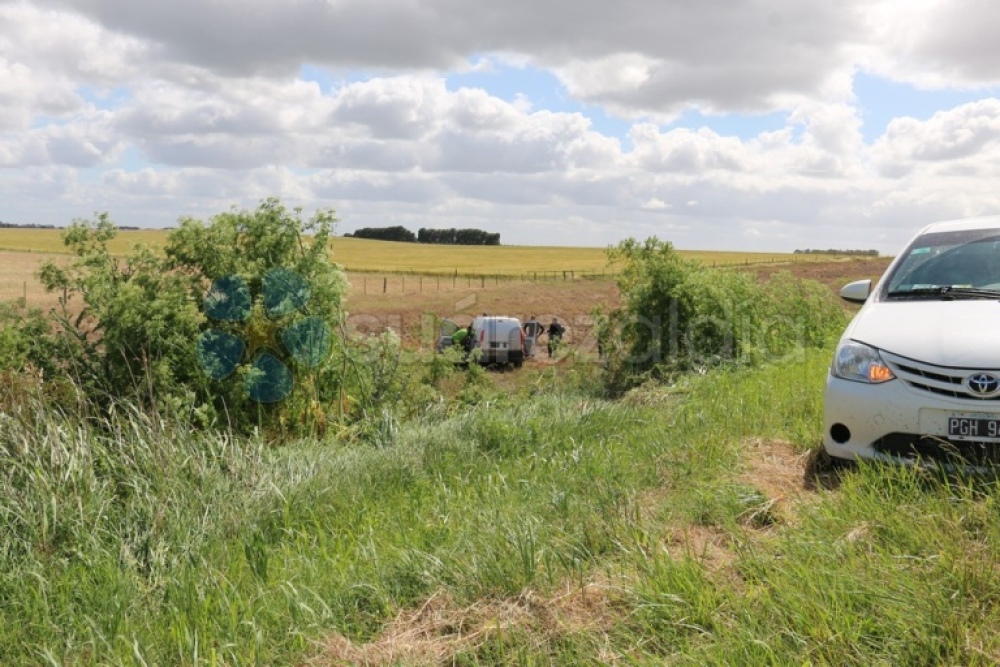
[(140, 541), (889, 566)]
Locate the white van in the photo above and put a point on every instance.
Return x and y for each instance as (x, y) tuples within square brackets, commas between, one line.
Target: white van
[(501, 340)]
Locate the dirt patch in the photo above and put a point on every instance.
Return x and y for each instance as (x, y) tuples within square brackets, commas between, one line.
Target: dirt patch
[(833, 274), (787, 478), (439, 629), (776, 469), (409, 306), (709, 545)]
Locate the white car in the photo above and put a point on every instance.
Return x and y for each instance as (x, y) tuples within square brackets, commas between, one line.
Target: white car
[(916, 375)]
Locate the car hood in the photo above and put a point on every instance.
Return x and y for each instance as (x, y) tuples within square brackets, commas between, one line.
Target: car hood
[(959, 333)]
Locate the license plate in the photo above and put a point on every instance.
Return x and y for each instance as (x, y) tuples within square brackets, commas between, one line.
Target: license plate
[(974, 428), (498, 345)]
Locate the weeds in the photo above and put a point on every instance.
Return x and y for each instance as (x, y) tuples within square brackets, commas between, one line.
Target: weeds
[(139, 539)]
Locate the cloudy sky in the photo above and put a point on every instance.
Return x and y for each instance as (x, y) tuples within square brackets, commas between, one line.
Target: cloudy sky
[(716, 124)]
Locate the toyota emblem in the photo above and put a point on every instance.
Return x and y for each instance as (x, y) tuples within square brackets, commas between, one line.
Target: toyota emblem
[(983, 384)]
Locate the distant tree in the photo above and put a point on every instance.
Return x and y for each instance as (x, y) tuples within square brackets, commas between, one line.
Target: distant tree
[(457, 237), (12, 225), (397, 233)]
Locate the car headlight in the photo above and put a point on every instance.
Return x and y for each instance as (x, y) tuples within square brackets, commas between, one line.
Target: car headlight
[(860, 363)]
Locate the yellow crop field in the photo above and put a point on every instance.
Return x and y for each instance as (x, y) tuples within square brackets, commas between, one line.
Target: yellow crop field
[(49, 241), (365, 255), (388, 257)]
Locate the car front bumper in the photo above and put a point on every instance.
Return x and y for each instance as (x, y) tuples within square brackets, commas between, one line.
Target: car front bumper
[(895, 422)]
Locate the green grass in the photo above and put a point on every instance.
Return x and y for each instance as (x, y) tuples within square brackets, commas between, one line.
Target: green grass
[(135, 541), (162, 543)]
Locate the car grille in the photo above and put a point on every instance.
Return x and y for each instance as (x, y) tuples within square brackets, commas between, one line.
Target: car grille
[(943, 450), (938, 380)]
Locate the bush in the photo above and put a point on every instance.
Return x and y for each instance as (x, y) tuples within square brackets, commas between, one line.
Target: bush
[(26, 341), (678, 315), (135, 327)]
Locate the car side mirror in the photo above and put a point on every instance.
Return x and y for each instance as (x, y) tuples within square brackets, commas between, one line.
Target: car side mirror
[(856, 292)]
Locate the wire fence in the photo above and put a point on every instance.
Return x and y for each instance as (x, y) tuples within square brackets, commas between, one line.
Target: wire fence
[(406, 281), (396, 281)]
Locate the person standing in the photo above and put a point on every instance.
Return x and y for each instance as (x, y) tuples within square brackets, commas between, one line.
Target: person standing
[(555, 333), (532, 330)]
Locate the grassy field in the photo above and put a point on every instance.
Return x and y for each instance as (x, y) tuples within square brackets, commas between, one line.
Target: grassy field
[(686, 525), (49, 241), (390, 257), (527, 521)]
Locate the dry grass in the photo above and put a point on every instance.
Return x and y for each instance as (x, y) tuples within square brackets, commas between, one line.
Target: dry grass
[(49, 241), (779, 472), (526, 261), (439, 629), (18, 281), (390, 257)]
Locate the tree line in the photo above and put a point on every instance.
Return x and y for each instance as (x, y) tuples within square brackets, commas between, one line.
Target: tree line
[(32, 225), (834, 251), (439, 236), (12, 225)]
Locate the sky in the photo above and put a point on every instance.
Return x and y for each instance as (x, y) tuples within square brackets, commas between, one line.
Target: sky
[(755, 125)]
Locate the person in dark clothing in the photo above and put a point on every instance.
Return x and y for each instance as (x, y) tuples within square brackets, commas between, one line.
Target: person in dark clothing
[(555, 333), (532, 330), (469, 340)]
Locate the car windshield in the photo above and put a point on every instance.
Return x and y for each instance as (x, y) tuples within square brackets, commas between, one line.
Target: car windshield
[(948, 264)]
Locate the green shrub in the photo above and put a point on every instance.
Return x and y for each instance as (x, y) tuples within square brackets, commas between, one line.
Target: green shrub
[(238, 322), (678, 315), (26, 341)]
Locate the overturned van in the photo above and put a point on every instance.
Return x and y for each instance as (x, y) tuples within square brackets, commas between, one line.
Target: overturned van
[(500, 340)]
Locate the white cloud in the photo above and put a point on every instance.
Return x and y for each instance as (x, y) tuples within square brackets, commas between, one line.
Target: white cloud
[(638, 56), (935, 43), (152, 111), (965, 138)]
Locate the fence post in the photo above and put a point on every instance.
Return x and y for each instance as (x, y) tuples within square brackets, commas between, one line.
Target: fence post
[(385, 284)]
